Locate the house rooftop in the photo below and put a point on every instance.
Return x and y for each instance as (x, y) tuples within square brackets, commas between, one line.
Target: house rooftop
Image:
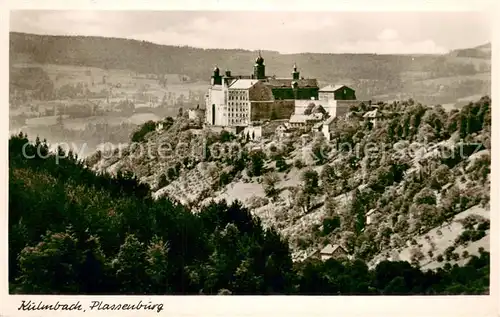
[(302, 118), (332, 88), (371, 211), (372, 114), (329, 121), (298, 118), (318, 125), (282, 126), (330, 248), (243, 83), (447, 186)]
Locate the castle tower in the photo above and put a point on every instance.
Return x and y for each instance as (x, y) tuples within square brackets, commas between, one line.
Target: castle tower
[(216, 77), (259, 69), (295, 73)]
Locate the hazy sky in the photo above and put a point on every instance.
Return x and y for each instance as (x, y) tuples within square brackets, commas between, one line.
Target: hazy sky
[(286, 32)]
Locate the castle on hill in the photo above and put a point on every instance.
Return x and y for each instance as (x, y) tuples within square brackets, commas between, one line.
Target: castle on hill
[(240, 100)]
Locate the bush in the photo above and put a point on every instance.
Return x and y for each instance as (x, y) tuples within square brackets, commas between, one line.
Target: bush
[(330, 224), (440, 258), (303, 243), (281, 164), (298, 164), (485, 225), (440, 177), (448, 252), (478, 235), (469, 235), (425, 196), (224, 291), (269, 182), (172, 173), (256, 164), (226, 136), (463, 238), (256, 202), (162, 182), (224, 179), (416, 255), (470, 221), (138, 136)]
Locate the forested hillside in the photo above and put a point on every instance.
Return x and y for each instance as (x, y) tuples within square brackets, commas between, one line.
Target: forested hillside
[(371, 75), (74, 232), (415, 170)]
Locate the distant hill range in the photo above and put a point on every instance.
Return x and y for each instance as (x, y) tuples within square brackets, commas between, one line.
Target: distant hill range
[(427, 78), (482, 51)]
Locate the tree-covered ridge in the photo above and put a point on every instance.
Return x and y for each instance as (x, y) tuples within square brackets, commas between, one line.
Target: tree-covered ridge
[(125, 241), (369, 74), (74, 232), (417, 168)]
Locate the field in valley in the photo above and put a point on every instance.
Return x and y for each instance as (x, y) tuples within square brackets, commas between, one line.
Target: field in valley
[(107, 90)]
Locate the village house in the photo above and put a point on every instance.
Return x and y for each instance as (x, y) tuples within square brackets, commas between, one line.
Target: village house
[(252, 132), (283, 131), (196, 113), (446, 187), (373, 116), (317, 127), (334, 251), (325, 128), (159, 126), (305, 121), (371, 216)]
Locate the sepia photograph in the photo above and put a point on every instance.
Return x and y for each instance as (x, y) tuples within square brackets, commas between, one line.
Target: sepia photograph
[(181, 152)]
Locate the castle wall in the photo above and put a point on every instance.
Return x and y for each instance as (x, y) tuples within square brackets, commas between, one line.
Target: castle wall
[(273, 110), (216, 104), (335, 108)]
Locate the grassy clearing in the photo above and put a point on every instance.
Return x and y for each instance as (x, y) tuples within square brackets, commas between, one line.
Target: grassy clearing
[(438, 240)]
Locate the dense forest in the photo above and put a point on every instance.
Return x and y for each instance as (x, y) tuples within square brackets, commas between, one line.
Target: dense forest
[(72, 231)]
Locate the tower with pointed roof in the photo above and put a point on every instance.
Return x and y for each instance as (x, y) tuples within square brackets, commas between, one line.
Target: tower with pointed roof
[(259, 69), (216, 77), (295, 73)]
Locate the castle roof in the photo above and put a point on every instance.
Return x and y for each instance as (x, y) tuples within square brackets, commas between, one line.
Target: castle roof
[(259, 60), (243, 83), (332, 88), (287, 82)]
